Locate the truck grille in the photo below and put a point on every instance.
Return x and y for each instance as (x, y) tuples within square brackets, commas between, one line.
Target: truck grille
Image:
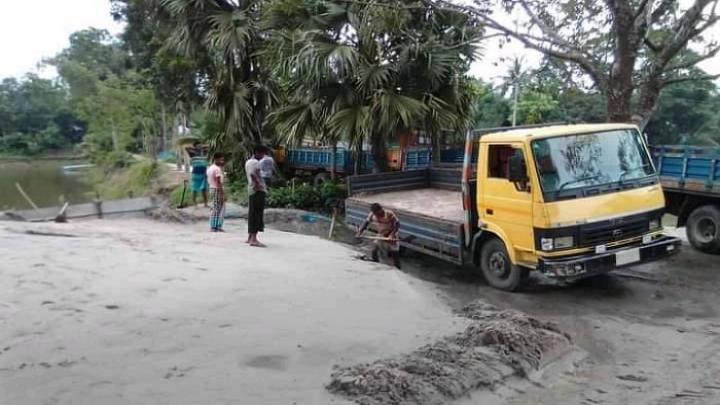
[(609, 232), (602, 232)]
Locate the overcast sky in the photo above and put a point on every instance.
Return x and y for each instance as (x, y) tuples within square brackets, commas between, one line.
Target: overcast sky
[(33, 30)]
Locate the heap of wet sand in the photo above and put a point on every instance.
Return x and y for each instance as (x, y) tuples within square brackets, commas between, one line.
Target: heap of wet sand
[(496, 345)]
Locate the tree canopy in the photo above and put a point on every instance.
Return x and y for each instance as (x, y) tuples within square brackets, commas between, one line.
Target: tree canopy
[(629, 49), (360, 73)]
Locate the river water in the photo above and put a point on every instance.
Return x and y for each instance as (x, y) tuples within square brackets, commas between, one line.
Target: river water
[(44, 181)]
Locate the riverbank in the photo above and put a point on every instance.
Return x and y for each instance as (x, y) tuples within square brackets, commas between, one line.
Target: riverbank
[(45, 182), (26, 158)]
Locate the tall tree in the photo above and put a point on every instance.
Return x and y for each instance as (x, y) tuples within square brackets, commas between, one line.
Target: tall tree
[(630, 49), (223, 37), (35, 116)]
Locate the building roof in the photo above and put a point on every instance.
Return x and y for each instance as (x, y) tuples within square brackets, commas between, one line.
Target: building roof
[(522, 134)]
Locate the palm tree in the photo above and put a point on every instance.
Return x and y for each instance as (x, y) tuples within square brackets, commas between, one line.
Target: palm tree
[(364, 71), (515, 78), (223, 38)]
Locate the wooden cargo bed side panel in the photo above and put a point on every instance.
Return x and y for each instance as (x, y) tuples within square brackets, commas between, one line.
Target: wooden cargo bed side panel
[(690, 169), (431, 236), (446, 178), (371, 183)]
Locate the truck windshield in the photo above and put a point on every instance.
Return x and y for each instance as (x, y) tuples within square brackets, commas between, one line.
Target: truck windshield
[(578, 165)]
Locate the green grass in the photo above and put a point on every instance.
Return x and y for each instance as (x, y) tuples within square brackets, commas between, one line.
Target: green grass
[(139, 179)]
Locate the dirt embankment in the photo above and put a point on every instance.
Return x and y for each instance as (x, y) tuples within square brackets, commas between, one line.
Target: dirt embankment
[(497, 344)]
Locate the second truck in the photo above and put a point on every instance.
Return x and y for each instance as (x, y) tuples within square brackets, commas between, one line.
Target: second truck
[(569, 201)]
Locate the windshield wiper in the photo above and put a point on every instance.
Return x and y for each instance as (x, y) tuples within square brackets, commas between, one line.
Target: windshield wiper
[(567, 183), (628, 171)]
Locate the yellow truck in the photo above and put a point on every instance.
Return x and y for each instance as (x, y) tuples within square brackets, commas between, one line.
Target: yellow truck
[(568, 201)]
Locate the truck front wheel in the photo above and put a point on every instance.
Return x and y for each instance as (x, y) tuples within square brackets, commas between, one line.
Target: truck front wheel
[(703, 229), (497, 268)]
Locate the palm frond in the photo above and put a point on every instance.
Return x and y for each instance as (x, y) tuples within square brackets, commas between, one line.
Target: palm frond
[(295, 122), (392, 111), (351, 123)]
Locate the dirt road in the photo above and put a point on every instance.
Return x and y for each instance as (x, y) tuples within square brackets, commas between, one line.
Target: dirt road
[(650, 339)]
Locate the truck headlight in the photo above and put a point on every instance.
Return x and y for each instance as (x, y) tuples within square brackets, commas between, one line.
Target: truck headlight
[(654, 224), (564, 242)]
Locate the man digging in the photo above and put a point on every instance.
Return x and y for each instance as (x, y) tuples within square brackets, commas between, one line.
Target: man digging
[(387, 226)]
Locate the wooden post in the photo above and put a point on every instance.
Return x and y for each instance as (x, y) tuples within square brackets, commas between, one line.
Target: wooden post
[(332, 223), (27, 198), (61, 217)]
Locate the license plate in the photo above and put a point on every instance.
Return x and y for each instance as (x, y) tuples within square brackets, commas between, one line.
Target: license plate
[(627, 257)]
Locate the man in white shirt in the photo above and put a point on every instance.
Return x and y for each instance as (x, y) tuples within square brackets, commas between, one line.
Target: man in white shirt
[(256, 192)]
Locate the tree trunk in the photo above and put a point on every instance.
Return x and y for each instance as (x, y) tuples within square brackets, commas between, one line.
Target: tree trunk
[(379, 153), (179, 155), (515, 103), (333, 161), (619, 86), (618, 106), (436, 146), (647, 104), (113, 133), (358, 158), (163, 131)]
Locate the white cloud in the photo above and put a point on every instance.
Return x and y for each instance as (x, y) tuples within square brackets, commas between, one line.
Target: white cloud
[(33, 30)]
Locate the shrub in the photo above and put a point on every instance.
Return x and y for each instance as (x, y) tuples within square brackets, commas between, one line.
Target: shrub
[(305, 196)]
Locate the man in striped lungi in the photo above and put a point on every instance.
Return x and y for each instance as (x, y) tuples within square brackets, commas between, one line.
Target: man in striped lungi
[(216, 181)]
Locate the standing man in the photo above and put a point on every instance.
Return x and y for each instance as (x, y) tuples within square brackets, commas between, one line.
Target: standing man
[(267, 167), (387, 226), (256, 192), (216, 181), (198, 177)]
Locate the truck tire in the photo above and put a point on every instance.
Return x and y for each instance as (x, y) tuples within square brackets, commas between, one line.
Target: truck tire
[(703, 229), (321, 178), (497, 268)]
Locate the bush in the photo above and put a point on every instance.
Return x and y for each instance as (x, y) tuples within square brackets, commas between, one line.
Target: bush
[(116, 160), (238, 191), (306, 197)]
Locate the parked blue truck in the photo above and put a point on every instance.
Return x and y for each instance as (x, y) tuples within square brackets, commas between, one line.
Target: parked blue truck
[(319, 160), (690, 177)]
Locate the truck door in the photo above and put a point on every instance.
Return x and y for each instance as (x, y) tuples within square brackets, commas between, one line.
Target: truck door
[(502, 203)]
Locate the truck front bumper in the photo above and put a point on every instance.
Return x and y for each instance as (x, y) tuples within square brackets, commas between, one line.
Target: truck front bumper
[(578, 267)]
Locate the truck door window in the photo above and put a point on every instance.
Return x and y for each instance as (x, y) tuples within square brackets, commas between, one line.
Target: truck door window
[(499, 160)]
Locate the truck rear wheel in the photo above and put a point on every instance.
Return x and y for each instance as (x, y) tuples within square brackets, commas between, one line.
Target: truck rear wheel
[(321, 178), (497, 268), (703, 229)]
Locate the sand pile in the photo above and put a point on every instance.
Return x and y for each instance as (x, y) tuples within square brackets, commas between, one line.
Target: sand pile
[(496, 345)]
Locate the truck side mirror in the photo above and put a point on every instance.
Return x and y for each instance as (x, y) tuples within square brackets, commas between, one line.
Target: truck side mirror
[(518, 169)]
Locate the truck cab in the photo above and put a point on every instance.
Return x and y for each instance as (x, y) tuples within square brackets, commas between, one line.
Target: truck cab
[(570, 201)]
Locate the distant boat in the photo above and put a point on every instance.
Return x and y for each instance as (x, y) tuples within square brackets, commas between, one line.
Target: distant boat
[(71, 168)]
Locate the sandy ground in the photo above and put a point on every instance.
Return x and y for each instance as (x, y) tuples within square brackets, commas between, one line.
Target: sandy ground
[(141, 312), (650, 339), (132, 313)]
